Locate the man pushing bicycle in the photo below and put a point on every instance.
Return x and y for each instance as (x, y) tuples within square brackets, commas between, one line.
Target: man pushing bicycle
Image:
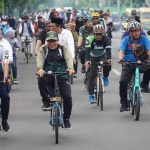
[(55, 57), (133, 47)]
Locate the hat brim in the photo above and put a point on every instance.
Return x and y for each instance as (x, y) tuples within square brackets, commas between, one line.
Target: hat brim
[(50, 38)]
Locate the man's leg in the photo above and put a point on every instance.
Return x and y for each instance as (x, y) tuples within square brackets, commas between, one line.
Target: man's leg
[(93, 71), (145, 82), (65, 91), (43, 83), (126, 75), (106, 70), (14, 68), (23, 44), (5, 102)]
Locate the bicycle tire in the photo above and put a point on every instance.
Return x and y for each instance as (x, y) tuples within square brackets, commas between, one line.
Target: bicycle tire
[(96, 93), (71, 79), (56, 125), (27, 54), (100, 92), (137, 105)]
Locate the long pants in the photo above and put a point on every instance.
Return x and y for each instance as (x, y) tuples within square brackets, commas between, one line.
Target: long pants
[(30, 44), (126, 75), (14, 66), (5, 101), (93, 72), (65, 91), (82, 57)]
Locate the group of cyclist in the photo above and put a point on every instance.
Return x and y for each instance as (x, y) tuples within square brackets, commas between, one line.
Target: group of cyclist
[(57, 49)]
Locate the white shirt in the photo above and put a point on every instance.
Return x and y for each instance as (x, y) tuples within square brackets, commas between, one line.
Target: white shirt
[(46, 15), (8, 46), (66, 38), (4, 53), (25, 31)]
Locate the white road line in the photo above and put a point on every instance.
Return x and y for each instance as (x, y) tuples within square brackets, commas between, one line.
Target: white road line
[(116, 72)]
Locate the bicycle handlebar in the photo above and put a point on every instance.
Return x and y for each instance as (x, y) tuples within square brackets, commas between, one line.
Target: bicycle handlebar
[(52, 73), (135, 63)]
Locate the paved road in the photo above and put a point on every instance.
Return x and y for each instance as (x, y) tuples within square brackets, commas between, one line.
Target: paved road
[(91, 128)]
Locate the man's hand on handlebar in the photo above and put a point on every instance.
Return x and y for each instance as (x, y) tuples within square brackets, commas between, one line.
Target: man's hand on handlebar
[(110, 61), (40, 72), (88, 63), (70, 71)]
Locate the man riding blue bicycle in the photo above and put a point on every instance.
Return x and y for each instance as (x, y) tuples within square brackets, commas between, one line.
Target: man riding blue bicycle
[(55, 57), (132, 48), (98, 48)]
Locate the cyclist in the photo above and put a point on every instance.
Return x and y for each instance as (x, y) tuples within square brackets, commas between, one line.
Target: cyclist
[(73, 16), (69, 26), (134, 14), (79, 22), (126, 54), (65, 36), (55, 57), (5, 99), (26, 29), (41, 38), (84, 32), (109, 24), (39, 25), (97, 20), (98, 48)]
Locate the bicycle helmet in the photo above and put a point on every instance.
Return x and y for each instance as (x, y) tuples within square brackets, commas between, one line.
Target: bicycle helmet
[(133, 11), (98, 28), (4, 18), (106, 13), (87, 18), (133, 25), (79, 15), (95, 14)]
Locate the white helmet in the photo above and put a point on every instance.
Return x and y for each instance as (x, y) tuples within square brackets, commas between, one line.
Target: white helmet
[(98, 28), (133, 25)]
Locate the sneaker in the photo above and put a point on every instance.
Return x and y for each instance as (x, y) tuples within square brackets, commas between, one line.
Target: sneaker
[(22, 49), (46, 107), (15, 82), (124, 107), (5, 126), (91, 99), (31, 55), (145, 88), (106, 81), (67, 124), (83, 69)]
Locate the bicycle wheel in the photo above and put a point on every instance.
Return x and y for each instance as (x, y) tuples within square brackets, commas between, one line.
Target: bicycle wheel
[(56, 125), (100, 91), (71, 79), (27, 54), (137, 105), (96, 92)]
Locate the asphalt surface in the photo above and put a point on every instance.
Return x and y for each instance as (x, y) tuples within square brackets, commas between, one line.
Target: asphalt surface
[(91, 128)]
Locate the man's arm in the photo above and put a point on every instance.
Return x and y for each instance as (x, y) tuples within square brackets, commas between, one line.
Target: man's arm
[(6, 62), (38, 44), (80, 39), (121, 54), (68, 57), (70, 44)]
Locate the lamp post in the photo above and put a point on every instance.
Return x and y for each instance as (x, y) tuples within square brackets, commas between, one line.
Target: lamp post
[(131, 3)]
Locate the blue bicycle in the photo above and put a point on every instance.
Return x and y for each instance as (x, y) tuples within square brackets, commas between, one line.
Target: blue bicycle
[(134, 96), (56, 116)]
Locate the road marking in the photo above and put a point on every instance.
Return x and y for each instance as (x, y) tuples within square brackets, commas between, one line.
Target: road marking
[(116, 72)]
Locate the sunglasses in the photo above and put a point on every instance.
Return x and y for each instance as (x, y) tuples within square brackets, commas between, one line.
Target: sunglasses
[(95, 18), (98, 34), (51, 41)]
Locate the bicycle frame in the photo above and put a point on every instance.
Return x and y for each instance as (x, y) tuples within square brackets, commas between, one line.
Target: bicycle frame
[(57, 103), (136, 85)]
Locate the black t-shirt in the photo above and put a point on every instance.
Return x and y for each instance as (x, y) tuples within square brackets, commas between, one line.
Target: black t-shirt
[(42, 36), (137, 18), (101, 44)]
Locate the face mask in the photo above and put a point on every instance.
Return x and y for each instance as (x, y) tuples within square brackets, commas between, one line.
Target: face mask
[(4, 23)]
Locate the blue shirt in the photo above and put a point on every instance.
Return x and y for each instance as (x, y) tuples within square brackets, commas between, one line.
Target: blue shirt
[(127, 33), (126, 46)]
